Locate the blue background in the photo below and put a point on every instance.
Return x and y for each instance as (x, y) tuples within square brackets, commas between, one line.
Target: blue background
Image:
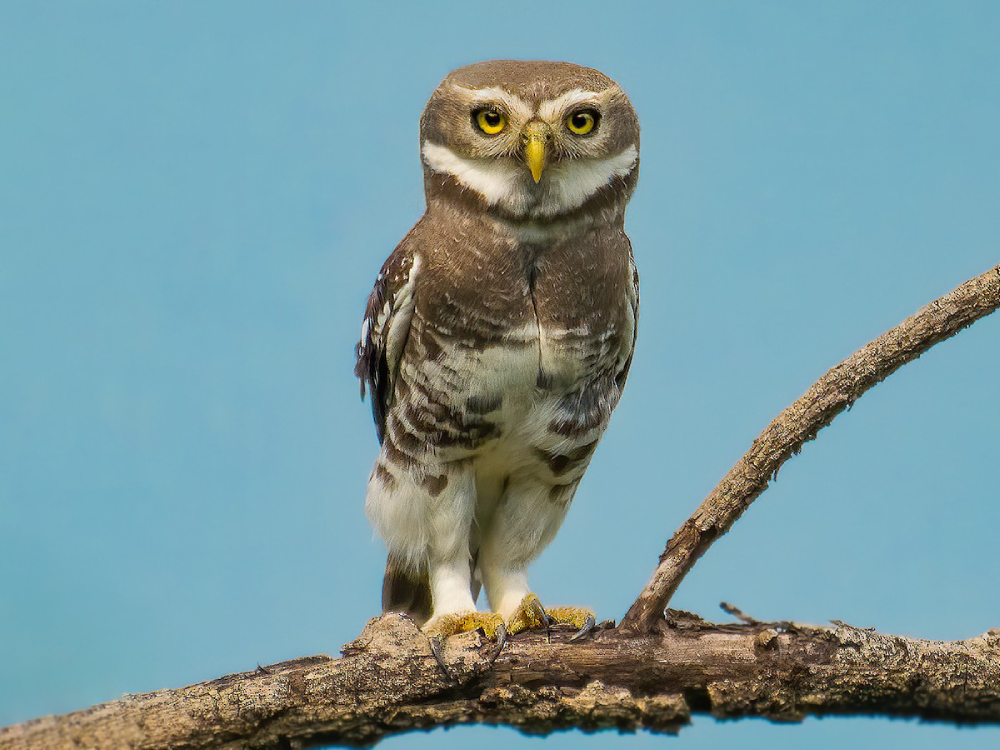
[(195, 199)]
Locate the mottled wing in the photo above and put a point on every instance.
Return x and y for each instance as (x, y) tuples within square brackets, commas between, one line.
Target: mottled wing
[(385, 330), (628, 349)]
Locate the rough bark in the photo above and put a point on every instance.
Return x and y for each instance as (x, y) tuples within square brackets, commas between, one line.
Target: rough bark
[(388, 681), (799, 423)]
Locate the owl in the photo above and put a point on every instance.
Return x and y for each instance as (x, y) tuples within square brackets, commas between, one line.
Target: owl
[(498, 337)]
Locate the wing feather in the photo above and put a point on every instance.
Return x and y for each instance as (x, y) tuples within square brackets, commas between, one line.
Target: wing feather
[(384, 332), (632, 295)]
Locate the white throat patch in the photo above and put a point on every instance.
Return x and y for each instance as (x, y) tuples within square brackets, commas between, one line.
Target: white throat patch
[(508, 184)]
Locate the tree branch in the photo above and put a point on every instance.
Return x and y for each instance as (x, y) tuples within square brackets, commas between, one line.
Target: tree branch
[(388, 681), (799, 423), (651, 672)]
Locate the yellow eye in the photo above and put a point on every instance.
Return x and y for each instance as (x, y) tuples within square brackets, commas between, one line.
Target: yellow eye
[(581, 122), (491, 121)]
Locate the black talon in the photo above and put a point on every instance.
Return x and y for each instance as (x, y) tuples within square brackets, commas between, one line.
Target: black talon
[(436, 643), (588, 625), (503, 638), (545, 618), (541, 614)]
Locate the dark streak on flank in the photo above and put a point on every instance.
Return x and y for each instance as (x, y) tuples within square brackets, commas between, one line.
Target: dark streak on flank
[(385, 477), (432, 349), (483, 404), (560, 463), (408, 441), (435, 484), (395, 455)]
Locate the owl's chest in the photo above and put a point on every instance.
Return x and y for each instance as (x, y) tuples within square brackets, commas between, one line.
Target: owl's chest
[(523, 319)]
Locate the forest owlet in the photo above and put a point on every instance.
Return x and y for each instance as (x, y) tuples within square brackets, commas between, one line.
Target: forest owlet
[(499, 334)]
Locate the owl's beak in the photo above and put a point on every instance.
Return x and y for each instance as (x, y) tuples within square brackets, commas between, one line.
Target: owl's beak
[(537, 136)]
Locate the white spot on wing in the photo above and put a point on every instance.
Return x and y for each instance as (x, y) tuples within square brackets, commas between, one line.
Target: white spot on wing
[(402, 313)]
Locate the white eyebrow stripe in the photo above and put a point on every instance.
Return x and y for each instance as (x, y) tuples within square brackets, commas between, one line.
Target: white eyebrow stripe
[(555, 107), (514, 104)]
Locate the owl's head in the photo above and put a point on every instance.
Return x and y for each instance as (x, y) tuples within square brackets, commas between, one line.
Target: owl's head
[(530, 140)]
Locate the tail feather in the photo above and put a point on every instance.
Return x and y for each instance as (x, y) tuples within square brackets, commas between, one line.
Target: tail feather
[(409, 592), (406, 591)]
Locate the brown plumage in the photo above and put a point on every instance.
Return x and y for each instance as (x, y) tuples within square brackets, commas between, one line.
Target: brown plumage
[(500, 332)]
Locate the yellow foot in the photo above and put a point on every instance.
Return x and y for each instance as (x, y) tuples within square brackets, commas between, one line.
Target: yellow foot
[(464, 622), (438, 628), (530, 615)]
